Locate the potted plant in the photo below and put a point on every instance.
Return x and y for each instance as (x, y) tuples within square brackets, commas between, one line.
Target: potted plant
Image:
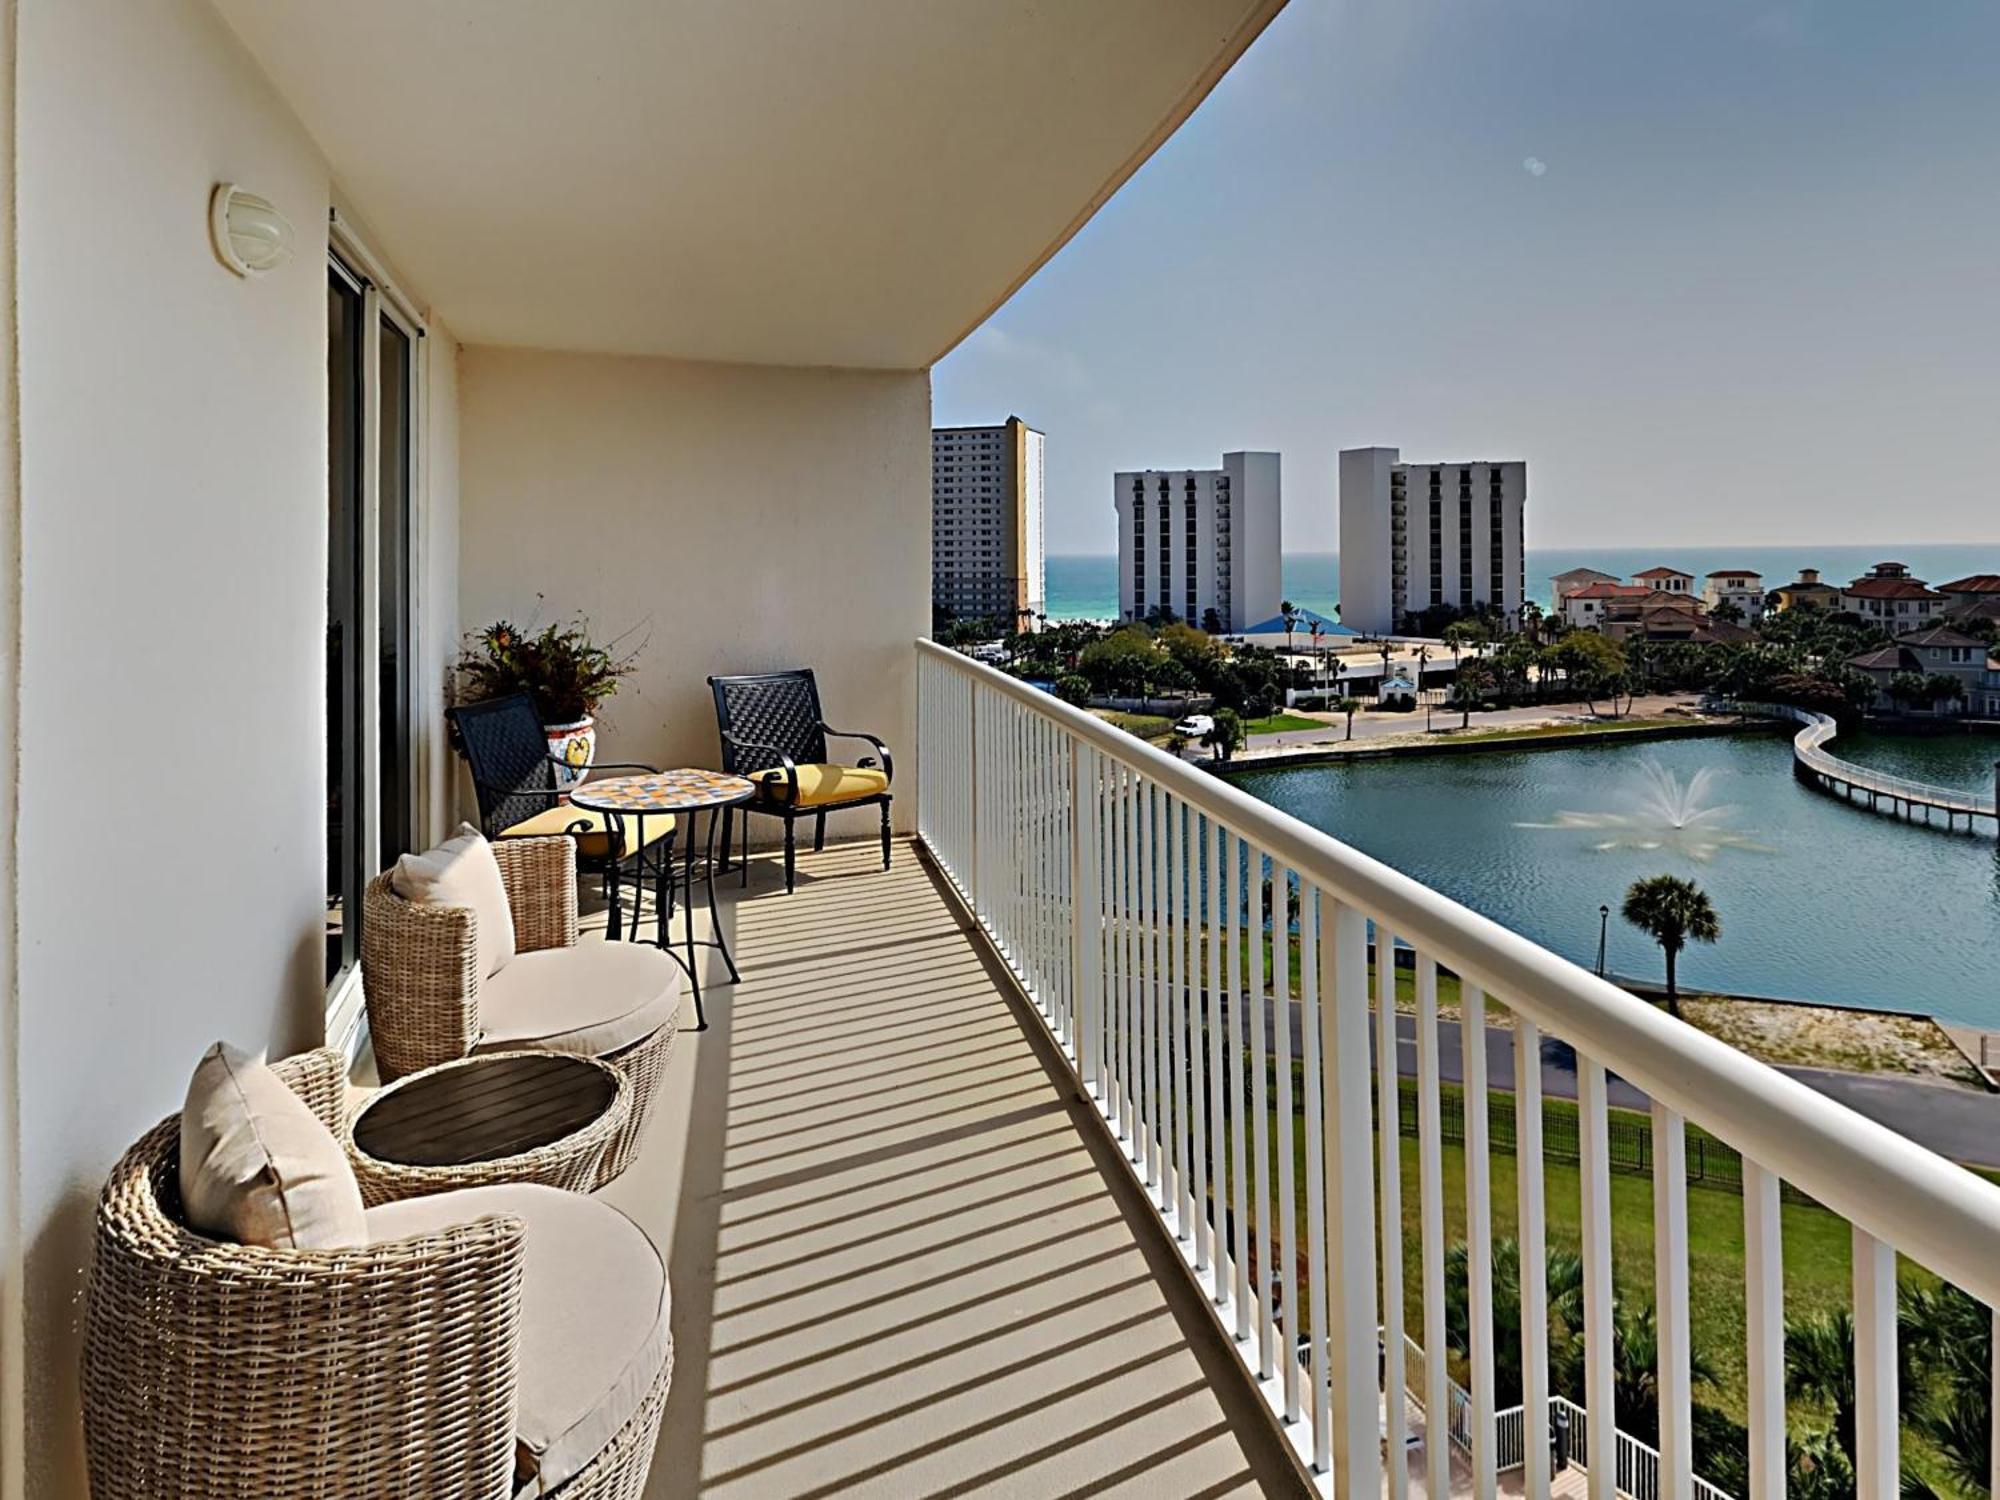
[(566, 673)]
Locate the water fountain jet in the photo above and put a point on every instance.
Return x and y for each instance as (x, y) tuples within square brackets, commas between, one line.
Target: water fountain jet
[(1665, 813)]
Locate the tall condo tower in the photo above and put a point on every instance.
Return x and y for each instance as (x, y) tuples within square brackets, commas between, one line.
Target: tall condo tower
[(1417, 535), (1206, 544), (987, 558)]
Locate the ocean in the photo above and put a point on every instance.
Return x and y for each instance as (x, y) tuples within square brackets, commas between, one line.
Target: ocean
[(1085, 586)]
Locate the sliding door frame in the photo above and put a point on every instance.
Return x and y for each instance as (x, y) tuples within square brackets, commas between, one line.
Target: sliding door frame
[(350, 258)]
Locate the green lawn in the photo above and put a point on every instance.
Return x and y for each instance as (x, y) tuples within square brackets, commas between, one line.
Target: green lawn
[(1145, 726), (1545, 731), (1281, 723)]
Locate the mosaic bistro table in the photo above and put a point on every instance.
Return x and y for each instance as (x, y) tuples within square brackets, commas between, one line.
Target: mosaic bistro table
[(683, 794)]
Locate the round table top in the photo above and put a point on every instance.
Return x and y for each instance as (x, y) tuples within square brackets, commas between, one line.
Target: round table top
[(484, 1109), (662, 792)]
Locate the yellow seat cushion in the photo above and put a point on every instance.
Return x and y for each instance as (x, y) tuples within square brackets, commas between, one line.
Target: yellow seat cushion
[(822, 786), (595, 841)]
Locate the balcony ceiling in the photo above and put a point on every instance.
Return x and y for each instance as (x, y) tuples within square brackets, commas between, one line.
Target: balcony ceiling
[(805, 182)]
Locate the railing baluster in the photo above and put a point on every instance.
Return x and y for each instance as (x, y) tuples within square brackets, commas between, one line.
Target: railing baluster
[(1156, 985), (1532, 1241), (1345, 1077), (1122, 1051), (1389, 1187), (1239, 1146), (1598, 1382), (1877, 1460), (1173, 1180), (1142, 999), (1082, 911), (1312, 912), (1670, 1296), (1288, 1227), (1179, 1019), (1260, 1118), (1218, 1120), (1430, 1205), (1478, 1235), (1993, 1390), (1764, 1344), (1200, 1037)]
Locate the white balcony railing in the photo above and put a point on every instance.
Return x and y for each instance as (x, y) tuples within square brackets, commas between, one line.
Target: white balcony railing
[(1104, 871)]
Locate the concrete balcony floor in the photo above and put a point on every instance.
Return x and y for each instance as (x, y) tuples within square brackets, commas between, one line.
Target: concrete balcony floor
[(898, 1266)]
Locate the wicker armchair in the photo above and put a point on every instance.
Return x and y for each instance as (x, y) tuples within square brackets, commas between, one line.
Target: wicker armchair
[(232, 1372), (421, 979)]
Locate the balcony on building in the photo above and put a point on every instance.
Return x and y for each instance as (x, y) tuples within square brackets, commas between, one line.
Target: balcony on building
[(1030, 1164)]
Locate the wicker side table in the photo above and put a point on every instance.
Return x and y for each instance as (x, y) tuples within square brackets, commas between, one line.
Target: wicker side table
[(546, 1117)]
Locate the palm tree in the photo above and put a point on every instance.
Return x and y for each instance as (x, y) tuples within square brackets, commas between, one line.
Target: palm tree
[(1531, 619), (1348, 706), (1475, 678), (1673, 912), (1289, 613), (1635, 1365), (1946, 1338), (1319, 657), (1565, 1293), (1819, 1367), (1225, 737)]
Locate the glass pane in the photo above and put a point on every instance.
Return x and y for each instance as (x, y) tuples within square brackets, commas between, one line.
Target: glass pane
[(393, 602), (343, 597)]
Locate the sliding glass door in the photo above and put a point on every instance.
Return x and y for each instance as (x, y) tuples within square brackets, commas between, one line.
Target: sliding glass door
[(371, 762)]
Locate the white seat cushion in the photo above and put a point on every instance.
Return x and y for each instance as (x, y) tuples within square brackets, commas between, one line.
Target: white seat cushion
[(463, 872), (594, 1316), (257, 1166), (592, 999)]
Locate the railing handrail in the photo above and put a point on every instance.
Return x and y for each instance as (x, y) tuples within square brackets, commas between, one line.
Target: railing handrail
[(1934, 1211)]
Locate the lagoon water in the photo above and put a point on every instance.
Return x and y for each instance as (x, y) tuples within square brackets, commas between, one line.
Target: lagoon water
[(1817, 900)]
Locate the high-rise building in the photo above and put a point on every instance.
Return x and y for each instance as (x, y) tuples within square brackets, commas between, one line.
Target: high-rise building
[(987, 558), (1205, 544), (1413, 536)]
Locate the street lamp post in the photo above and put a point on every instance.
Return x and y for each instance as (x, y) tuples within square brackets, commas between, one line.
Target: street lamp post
[(1603, 928)]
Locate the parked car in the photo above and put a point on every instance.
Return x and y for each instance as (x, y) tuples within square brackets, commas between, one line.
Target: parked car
[(1194, 726)]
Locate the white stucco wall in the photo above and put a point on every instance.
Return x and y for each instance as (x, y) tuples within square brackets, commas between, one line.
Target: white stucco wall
[(173, 542), (171, 639), (734, 517)]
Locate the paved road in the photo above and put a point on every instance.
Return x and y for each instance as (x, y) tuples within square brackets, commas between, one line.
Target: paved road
[(1960, 1123)]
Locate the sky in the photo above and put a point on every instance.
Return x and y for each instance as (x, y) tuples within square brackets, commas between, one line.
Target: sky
[(1722, 273)]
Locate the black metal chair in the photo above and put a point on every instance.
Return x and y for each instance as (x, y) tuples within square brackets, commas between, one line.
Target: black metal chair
[(774, 733), (515, 778)]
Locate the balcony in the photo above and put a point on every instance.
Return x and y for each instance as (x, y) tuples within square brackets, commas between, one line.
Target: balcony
[(971, 1183)]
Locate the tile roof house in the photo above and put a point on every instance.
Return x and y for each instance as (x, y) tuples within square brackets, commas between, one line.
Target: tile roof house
[(1808, 589), (1889, 597), (1671, 580), (1937, 651), (1570, 580), (1584, 605)]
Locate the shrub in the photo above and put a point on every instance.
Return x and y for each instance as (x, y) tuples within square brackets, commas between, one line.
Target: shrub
[(1072, 689)]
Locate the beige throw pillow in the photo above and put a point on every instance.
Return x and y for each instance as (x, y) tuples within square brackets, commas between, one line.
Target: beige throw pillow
[(463, 872), (257, 1166)]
